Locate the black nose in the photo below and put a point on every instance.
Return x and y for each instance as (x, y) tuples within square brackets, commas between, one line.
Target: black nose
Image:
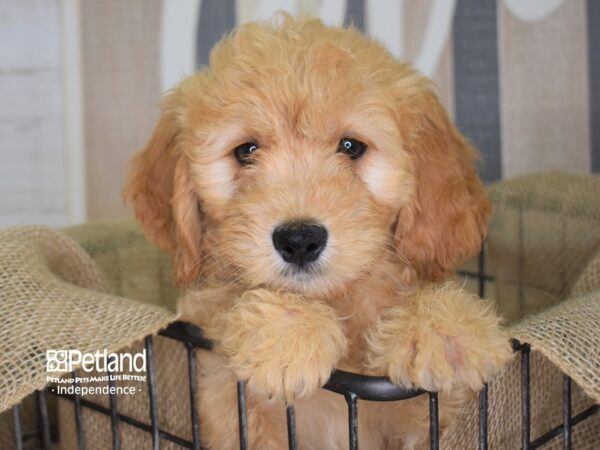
[(299, 243)]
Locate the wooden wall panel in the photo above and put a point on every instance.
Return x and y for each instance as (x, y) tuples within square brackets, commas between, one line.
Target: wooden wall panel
[(593, 32), (545, 91), (415, 25), (476, 85), (32, 165), (120, 53)]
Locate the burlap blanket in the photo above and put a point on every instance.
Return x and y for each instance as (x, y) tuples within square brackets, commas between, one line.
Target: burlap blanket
[(544, 252), (102, 286), (54, 295)]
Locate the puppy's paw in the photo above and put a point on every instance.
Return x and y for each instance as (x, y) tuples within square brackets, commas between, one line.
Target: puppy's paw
[(284, 345), (447, 339)]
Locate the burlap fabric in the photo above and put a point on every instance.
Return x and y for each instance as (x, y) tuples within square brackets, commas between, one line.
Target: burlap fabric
[(54, 295), (553, 259), (543, 250)]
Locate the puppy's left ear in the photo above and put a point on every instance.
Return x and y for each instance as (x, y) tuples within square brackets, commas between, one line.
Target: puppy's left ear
[(447, 221), (160, 188)]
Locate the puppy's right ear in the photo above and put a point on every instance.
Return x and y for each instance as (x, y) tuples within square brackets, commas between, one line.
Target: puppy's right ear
[(159, 187)]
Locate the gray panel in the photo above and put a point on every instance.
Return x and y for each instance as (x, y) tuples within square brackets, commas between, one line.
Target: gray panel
[(217, 17), (593, 8), (355, 14), (477, 99)]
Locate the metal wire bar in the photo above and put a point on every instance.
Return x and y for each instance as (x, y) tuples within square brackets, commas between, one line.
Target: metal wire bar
[(481, 271), (188, 334), (543, 439), (242, 415), (525, 403), (566, 412), (129, 421), (18, 433), (78, 418), (152, 392), (291, 426), (470, 273), (191, 354), (43, 421), (367, 387), (114, 417), (483, 418), (352, 401), (434, 422)]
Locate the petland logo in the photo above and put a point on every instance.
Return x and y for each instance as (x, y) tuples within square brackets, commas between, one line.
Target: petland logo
[(68, 360)]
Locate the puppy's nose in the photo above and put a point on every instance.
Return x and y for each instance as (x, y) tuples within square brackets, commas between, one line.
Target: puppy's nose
[(299, 243)]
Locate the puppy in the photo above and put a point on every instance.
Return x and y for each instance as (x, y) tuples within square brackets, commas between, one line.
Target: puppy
[(315, 198)]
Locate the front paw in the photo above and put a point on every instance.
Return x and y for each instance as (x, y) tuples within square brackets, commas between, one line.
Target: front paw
[(447, 339), (285, 346)]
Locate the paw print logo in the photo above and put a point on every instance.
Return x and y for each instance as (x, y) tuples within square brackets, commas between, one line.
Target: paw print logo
[(57, 361)]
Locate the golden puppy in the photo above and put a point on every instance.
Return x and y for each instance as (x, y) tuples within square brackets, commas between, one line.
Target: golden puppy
[(313, 192)]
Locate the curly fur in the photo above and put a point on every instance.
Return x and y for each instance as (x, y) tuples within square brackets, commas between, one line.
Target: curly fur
[(400, 219)]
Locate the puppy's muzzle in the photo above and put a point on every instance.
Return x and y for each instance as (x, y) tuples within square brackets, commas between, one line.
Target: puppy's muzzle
[(299, 243)]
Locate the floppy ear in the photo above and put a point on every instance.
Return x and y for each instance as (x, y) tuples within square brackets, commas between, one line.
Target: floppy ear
[(447, 221), (160, 189)]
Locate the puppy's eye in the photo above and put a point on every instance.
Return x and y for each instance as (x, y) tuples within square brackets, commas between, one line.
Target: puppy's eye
[(351, 147), (243, 153)]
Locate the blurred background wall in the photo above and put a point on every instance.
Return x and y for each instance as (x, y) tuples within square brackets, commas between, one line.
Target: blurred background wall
[(80, 83)]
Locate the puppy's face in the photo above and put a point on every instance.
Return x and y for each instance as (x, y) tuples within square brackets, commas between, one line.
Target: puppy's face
[(301, 157), (307, 211)]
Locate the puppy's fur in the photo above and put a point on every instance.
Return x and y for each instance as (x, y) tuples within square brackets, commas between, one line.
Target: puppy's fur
[(400, 219)]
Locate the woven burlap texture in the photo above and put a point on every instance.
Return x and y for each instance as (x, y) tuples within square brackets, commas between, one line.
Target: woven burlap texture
[(54, 296), (544, 250)]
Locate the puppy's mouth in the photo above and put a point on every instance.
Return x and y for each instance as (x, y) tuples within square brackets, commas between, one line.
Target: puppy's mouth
[(304, 272), (309, 278)]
